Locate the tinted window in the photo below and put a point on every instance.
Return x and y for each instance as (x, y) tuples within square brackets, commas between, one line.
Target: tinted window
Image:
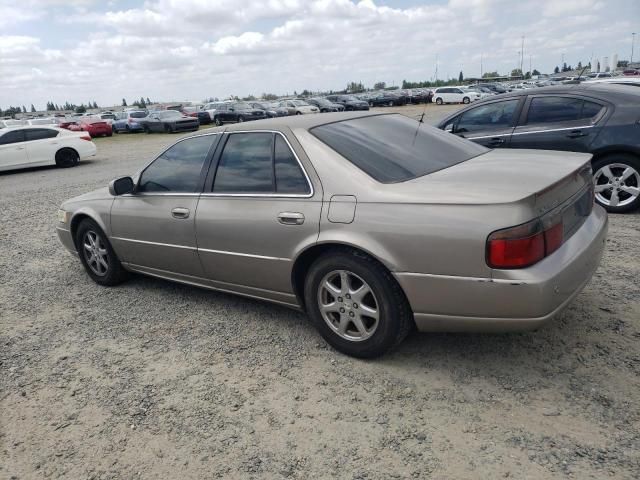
[(178, 169), (14, 136), (39, 133), (494, 115), (289, 176), (554, 109), (245, 164), (394, 148), (138, 114), (590, 110)]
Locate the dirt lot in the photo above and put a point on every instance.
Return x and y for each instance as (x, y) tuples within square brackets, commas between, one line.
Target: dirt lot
[(156, 380)]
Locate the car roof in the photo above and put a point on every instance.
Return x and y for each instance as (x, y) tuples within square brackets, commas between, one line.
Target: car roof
[(301, 121), (614, 93)]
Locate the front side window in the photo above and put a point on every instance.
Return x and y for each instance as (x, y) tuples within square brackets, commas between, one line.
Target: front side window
[(259, 163), (39, 134), (394, 148), (179, 168), (14, 136), (494, 115)]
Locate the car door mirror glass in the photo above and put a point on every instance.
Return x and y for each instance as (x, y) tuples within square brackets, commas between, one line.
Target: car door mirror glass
[(449, 128), (121, 186)]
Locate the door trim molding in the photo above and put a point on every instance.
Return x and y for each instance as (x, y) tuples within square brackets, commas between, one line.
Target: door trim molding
[(146, 242), (237, 254)]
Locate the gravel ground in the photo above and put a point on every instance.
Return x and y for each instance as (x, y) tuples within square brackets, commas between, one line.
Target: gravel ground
[(157, 380)]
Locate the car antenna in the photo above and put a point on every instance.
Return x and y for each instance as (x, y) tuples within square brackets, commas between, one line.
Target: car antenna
[(420, 122), (581, 72)]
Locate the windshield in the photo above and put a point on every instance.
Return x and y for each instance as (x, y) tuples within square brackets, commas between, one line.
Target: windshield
[(242, 106), (395, 148), (137, 114), (300, 103), (321, 101)]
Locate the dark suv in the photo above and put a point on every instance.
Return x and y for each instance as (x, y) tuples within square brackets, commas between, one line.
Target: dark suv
[(236, 113), (349, 101), (600, 119)]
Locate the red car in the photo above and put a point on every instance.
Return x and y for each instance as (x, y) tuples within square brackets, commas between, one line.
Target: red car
[(95, 126), (69, 124)]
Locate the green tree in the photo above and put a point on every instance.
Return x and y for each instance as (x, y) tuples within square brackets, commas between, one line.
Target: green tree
[(124, 102), (269, 96), (460, 77), (81, 109), (148, 101), (33, 109), (380, 86), (516, 72), (535, 72), (490, 74), (564, 67), (579, 67), (556, 70)]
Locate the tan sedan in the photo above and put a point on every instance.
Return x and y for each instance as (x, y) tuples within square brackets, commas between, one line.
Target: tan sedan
[(372, 224)]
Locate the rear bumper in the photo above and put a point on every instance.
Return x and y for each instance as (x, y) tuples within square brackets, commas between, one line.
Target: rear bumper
[(512, 300)]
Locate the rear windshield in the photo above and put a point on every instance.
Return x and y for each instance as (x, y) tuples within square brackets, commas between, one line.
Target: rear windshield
[(395, 148), (138, 114)]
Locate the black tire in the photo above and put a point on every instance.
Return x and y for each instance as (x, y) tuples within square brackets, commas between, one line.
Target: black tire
[(168, 129), (217, 121), (109, 134), (126, 127), (67, 157), (114, 273), (390, 104), (298, 113), (466, 100), (439, 101), (146, 129), (240, 119), (620, 162), (371, 104), (395, 317)]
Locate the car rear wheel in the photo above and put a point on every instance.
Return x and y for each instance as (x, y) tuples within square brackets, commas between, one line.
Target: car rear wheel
[(617, 182), (218, 122), (146, 129), (67, 157), (439, 101), (97, 255), (466, 100), (390, 104), (356, 305), (240, 119)]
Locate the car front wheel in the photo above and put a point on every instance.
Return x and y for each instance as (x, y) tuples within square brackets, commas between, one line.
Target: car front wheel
[(67, 157), (466, 100), (617, 182), (356, 305), (438, 101), (97, 255), (218, 122)]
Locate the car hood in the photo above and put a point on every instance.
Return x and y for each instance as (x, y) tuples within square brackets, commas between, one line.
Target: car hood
[(99, 194)]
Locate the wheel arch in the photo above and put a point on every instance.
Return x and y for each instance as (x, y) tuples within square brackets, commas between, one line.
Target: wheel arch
[(614, 149), (306, 257), (81, 215)]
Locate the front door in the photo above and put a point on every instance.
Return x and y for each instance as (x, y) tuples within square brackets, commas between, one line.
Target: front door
[(553, 122), (489, 124), (154, 227), (13, 151), (42, 144), (261, 210)]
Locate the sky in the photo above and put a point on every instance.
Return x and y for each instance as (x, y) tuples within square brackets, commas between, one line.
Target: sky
[(177, 50)]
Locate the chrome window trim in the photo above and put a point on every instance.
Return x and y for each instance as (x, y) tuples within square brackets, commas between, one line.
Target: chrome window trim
[(489, 136), (554, 130), (268, 195)]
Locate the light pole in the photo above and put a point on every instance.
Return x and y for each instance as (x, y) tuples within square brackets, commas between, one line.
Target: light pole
[(633, 41), (521, 54)]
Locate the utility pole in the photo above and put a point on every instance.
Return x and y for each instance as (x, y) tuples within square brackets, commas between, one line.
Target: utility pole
[(530, 71), (522, 54), (481, 65), (633, 40), (436, 68)]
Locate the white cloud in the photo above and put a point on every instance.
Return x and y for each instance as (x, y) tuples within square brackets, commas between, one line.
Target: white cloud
[(185, 49)]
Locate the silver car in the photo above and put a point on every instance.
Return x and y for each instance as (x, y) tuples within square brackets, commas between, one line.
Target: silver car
[(372, 224)]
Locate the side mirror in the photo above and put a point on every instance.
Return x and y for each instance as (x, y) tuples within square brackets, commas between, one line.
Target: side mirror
[(449, 128), (121, 186)]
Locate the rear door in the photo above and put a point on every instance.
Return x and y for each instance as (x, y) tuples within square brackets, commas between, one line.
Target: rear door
[(13, 151), (558, 122), (259, 212), (154, 227), (490, 124), (42, 144)]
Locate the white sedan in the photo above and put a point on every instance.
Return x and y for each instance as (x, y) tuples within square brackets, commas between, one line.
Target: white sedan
[(22, 147)]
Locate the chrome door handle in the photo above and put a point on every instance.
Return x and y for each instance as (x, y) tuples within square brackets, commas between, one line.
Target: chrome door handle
[(576, 134), (180, 212), (494, 142), (19, 148), (291, 218)]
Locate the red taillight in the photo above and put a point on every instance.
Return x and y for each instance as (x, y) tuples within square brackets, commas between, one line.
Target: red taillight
[(524, 245), (85, 137)]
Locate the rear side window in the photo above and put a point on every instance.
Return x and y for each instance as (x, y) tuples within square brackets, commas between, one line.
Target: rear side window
[(394, 148), (259, 163), (138, 114), (179, 168), (39, 134), (14, 136), (560, 109)]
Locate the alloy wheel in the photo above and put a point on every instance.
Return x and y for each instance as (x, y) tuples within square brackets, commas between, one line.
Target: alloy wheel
[(95, 253), (616, 185), (348, 305)]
